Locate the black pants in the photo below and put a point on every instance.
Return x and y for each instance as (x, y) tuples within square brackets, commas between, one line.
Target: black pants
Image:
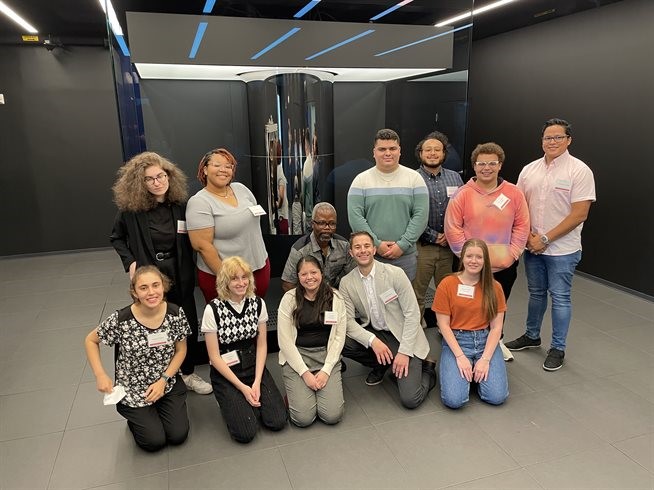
[(165, 421), (506, 278), (241, 417)]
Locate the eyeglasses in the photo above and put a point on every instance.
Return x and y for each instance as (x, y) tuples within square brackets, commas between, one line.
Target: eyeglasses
[(492, 164), (558, 138), (325, 224), (161, 178), (221, 166)]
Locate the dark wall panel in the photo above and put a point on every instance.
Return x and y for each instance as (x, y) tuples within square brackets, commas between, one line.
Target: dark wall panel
[(594, 69), (186, 118), (59, 148)]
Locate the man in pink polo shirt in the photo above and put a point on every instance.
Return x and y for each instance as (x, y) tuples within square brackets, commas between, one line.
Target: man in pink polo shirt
[(559, 189)]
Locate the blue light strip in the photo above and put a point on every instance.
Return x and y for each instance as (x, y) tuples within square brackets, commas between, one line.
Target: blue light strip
[(424, 40), (275, 43), (342, 43), (208, 6), (123, 45), (202, 26), (306, 8), (391, 9)]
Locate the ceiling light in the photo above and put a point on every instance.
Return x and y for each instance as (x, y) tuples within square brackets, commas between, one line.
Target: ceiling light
[(199, 34), (392, 9), (476, 11), (113, 19), (306, 8), (208, 6), (338, 45), (4, 8), (275, 43), (420, 41)]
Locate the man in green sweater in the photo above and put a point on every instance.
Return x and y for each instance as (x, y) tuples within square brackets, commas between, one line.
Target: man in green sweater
[(391, 202)]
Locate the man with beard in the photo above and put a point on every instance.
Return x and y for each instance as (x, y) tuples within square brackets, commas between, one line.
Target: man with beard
[(331, 250), (434, 255)]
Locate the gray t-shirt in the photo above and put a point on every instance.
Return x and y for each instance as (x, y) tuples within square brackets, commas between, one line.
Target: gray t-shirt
[(236, 229)]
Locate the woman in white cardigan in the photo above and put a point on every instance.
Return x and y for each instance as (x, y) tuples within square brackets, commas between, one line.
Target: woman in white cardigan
[(311, 334)]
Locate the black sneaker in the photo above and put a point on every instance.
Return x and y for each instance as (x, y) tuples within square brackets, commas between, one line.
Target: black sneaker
[(429, 367), (376, 376), (554, 360), (521, 343)]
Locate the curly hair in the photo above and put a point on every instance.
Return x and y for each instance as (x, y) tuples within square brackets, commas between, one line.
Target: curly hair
[(228, 271), (204, 161), (436, 135), (145, 269), (131, 192), (487, 149)]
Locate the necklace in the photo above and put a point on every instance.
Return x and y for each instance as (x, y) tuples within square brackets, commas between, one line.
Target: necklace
[(227, 193)]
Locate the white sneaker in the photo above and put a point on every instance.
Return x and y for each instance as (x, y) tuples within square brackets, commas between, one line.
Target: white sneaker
[(506, 353), (195, 383)]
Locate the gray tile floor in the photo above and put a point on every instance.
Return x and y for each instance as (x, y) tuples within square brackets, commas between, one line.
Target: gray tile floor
[(590, 425)]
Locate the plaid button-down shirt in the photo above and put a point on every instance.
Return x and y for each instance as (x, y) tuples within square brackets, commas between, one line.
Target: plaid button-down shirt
[(438, 184)]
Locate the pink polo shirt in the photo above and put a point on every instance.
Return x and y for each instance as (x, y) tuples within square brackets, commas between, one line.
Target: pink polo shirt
[(550, 191)]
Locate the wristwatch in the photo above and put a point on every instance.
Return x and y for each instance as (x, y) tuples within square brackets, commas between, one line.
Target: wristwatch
[(165, 377), (544, 239)]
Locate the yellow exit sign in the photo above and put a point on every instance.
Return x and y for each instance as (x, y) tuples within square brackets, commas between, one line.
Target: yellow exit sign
[(30, 38)]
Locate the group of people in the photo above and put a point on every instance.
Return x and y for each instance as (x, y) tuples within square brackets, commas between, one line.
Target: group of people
[(360, 298)]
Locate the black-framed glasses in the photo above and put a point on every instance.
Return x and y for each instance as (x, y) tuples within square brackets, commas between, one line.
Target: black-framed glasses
[(325, 224), (558, 138), (161, 178)]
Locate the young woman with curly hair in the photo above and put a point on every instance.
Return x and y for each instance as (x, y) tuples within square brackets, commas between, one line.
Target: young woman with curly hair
[(150, 229)]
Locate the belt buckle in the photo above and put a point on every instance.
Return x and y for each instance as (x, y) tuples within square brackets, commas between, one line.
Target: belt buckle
[(159, 256)]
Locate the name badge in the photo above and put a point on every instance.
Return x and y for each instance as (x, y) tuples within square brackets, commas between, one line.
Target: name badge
[(181, 226), (501, 202), (388, 296), (257, 210), (230, 358), (331, 318), (450, 189), (158, 339), (465, 291), (563, 185)]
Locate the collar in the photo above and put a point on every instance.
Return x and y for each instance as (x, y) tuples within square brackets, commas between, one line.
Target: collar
[(431, 174), (315, 246), (557, 160)]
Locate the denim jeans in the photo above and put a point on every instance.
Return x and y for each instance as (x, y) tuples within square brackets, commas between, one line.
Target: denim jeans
[(455, 389), (406, 262), (553, 274)]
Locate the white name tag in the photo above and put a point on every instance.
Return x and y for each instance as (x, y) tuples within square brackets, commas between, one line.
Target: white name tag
[(450, 189), (388, 296), (181, 226), (562, 185), (331, 318), (501, 202), (257, 210), (158, 339), (230, 358), (465, 291)]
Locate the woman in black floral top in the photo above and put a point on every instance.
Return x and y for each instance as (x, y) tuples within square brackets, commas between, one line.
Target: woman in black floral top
[(234, 325), (150, 335)]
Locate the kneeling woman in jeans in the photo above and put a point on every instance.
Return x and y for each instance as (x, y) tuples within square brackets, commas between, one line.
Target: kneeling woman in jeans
[(234, 327), (311, 334), (150, 336), (470, 308)]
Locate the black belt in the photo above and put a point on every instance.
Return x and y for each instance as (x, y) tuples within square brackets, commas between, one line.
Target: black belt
[(161, 256)]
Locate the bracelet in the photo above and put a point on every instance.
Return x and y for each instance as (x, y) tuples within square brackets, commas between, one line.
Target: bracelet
[(485, 359), (460, 355)]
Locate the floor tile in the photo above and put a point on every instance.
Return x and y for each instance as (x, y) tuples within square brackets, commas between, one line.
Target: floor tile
[(606, 408), (88, 408), (604, 468), (510, 480), (259, 469), (639, 381), (632, 304), (111, 454), (89, 267), (531, 429), (24, 377), (209, 438), (640, 449), (27, 463), (73, 298), (356, 459), (639, 336), (85, 281), (438, 449), (158, 481), (35, 413), (66, 317), (52, 346), (604, 316)]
